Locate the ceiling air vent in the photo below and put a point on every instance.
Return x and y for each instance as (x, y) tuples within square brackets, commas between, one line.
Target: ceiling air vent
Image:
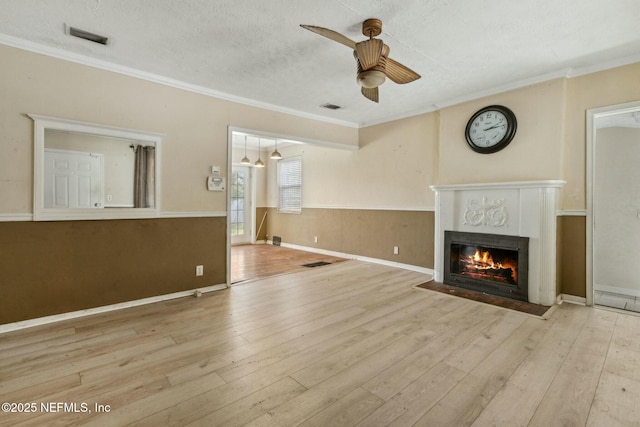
[(331, 106), (96, 38)]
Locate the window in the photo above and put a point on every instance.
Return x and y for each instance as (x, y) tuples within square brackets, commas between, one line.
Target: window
[(237, 203), (290, 185)]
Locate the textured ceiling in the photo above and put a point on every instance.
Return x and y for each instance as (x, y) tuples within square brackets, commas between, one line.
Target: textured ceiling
[(256, 52)]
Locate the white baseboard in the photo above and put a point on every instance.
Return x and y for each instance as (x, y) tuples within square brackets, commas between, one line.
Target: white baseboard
[(120, 306), (23, 324), (571, 299), (359, 258)]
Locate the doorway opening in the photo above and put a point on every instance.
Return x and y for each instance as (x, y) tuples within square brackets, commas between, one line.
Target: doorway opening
[(613, 206), (250, 166)]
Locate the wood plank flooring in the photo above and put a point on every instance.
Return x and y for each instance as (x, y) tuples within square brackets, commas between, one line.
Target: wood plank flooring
[(346, 344), (260, 261)]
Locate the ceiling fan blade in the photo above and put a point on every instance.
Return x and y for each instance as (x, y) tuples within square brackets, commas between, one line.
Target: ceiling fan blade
[(330, 34), (399, 73), (369, 52), (371, 93)]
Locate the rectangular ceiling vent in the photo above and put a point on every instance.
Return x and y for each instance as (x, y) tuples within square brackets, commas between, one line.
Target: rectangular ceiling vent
[(86, 35), (331, 106)]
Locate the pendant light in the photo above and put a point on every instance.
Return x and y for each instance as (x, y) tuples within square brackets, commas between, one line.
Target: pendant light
[(276, 154), (259, 163), (245, 160)]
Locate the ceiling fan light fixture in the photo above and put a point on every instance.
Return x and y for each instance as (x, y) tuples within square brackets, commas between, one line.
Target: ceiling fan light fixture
[(372, 58), (371, 78)]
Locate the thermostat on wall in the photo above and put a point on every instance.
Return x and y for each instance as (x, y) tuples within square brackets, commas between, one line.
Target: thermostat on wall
[(215, 183)]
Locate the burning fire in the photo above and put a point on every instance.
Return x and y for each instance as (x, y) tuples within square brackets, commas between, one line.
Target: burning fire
[(482, 261)]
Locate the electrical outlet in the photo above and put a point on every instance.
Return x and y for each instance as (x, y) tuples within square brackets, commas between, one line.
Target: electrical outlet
[(199, 270), (396, 250), (315, 239)]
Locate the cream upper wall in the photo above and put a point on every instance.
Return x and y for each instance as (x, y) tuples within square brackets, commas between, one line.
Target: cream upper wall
[(612, 87), (399, 160), (392, 169), (550, 142), (396, 162), (533, 154), (195, 125)]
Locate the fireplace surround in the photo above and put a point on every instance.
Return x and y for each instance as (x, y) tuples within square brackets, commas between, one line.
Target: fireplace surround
[(523, 209)]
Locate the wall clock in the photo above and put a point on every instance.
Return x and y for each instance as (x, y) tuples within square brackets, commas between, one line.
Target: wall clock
[(491, 129)]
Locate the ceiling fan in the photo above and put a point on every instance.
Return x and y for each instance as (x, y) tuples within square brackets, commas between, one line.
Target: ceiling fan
[(372, 58)]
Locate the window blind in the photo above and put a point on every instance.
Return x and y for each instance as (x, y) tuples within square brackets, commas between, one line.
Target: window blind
[(290, 185)]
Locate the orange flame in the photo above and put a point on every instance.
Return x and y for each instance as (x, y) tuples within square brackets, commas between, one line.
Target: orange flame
[(482, 260)]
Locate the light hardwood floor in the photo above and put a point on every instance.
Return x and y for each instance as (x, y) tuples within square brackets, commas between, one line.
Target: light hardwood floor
[(260, 261), (346, 344)]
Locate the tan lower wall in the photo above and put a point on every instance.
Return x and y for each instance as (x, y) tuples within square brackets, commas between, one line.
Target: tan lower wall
[(373, 233), (368, 233), (50, 268), (572, 243)]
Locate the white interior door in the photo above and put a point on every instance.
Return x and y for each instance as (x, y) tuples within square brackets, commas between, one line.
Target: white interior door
[(73, 179), (241, 207)]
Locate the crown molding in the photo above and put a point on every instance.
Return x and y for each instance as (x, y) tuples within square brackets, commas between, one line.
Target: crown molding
[(132, 72), (567, 73), (155, 78)]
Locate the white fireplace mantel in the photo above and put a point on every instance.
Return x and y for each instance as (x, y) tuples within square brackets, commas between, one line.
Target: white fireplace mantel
[(526, 209)]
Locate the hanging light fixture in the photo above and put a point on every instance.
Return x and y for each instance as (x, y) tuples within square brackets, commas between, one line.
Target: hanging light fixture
[(245, 160), (259, 163), (276, 154)]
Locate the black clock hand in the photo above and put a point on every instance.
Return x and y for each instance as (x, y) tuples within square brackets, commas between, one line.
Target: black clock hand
[(493, 127)]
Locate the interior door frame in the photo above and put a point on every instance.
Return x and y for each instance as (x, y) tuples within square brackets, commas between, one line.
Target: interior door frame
[(230, 132), (592, 116)]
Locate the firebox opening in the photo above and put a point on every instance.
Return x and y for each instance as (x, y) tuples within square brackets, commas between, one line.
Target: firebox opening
[(489, 263), (485, 263)]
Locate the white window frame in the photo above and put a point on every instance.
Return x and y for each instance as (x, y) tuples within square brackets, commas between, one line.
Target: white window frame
[(289, 207)]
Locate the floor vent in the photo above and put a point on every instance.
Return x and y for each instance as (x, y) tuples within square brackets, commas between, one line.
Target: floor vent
[(316, 264), (277, 240)]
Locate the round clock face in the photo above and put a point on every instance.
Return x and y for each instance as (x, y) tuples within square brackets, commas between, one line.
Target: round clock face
[(491, 129)]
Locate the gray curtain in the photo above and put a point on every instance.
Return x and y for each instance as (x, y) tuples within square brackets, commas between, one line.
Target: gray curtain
[(144, 179)]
